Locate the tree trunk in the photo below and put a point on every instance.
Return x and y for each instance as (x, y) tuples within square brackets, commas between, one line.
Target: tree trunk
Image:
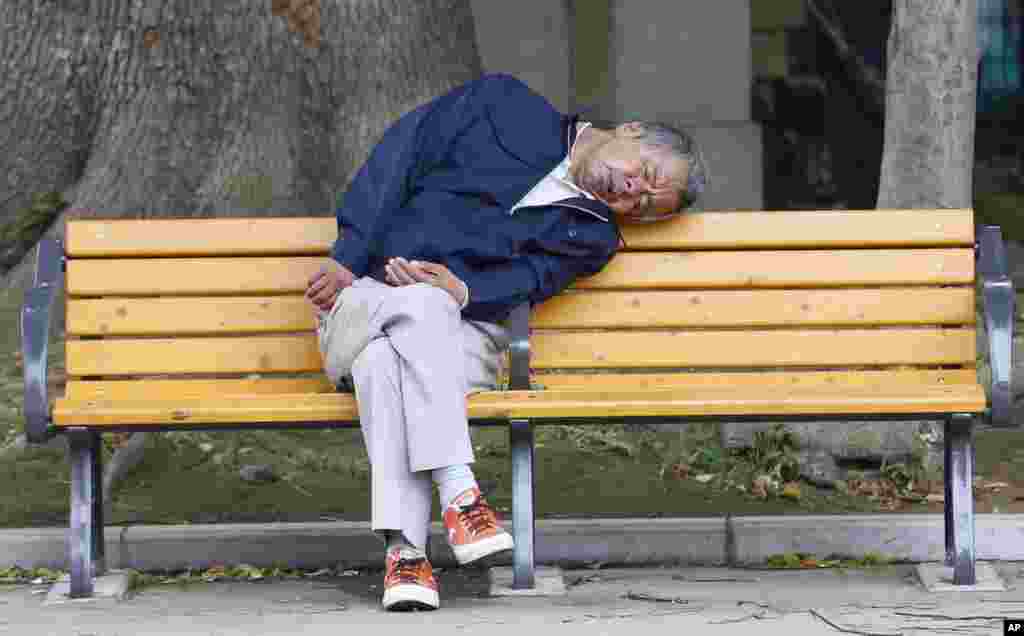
[(161, 108), (154, 108), (931, 87), (930, 105)]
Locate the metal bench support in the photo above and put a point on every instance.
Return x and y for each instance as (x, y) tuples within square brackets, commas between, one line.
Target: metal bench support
[(959, 503), (520, 434), (86, 537), (1000, 302), (521, 444)]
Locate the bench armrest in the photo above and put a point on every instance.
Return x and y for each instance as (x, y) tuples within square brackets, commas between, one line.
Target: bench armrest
[(1000, 314), (35, 338), (519, 348)]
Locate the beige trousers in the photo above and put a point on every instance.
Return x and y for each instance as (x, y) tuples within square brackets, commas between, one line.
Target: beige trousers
[(412, 361)]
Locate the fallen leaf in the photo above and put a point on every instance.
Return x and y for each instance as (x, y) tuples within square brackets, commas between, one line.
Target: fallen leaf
[(808, 563), (759, 487), (935, 498), (791, 490)]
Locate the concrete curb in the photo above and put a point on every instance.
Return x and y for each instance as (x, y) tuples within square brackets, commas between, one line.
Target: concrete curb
[(563, 542), (915, 538)]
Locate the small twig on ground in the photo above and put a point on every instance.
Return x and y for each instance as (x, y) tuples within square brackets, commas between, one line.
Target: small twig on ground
[(584, 579), (850, 631), (726, 579), (299, 488), (758, 615), (640, 596)]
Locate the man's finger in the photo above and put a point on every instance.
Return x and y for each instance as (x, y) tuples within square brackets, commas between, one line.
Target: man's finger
[(319, 273), (430, 268), (418, 272), (316, 286), (322, 295), (401, 271), (326, 306), (323, 301)]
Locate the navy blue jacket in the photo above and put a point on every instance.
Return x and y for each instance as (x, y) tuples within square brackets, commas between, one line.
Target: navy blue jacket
[(440, 184)]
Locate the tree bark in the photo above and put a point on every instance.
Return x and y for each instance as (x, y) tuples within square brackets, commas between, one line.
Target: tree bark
[(161, 108), (931, 86), (154, 108)]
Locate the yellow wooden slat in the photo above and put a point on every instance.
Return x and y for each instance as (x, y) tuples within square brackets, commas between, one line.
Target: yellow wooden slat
[(255, 354), (713, 401), (739, 380), (761, 308), (786, 268), (907, 306), (678, 270), (198, 237), (185, 315), (769, 348), (551, 349), (805, 229), (241, 275), (169, 390), (706, 230), (153, 389)]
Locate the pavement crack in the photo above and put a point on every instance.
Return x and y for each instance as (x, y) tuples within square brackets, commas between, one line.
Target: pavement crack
[(846, 630), (943, 617)]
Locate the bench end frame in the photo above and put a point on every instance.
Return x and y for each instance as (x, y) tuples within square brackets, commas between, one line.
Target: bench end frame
[(35, 321), (1000, 312)]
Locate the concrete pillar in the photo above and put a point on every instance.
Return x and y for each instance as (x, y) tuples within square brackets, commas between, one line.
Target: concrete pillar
[(684, 62), (529, 39), (688, 63)]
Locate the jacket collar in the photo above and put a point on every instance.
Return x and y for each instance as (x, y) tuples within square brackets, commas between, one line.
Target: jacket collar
[(571, 121)]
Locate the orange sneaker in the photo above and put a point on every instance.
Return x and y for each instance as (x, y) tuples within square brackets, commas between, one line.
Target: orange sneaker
[(474, 529), (409, 582)]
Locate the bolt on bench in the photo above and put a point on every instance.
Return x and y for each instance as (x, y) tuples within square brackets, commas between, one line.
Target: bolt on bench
[(760, 316)]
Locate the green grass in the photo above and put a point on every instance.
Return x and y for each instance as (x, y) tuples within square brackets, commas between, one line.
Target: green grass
[(1005, 209)]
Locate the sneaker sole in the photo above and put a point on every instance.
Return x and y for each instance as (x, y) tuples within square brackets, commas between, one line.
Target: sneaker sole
[(490, 547), (404, 598)]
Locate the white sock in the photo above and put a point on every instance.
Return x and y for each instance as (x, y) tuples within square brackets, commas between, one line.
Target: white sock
[(452, 481)]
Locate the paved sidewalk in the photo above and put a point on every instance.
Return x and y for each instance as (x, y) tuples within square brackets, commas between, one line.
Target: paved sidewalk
[(651, 600)]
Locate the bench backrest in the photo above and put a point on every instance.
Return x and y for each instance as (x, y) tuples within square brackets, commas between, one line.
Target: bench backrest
[(837, 290)]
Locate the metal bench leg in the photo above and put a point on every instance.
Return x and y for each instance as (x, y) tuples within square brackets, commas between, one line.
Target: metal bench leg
[(959, 478), (98, 544), (521, 444), (83, 449), (947, 509)]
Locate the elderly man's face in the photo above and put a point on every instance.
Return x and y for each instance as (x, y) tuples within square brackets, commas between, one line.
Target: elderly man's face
[(635, 180)]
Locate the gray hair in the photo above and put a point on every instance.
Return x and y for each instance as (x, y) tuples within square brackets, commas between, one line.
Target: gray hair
[(671, 139)]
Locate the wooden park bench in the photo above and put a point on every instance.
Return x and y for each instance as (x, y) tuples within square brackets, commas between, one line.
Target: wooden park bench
[(854, 315)]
